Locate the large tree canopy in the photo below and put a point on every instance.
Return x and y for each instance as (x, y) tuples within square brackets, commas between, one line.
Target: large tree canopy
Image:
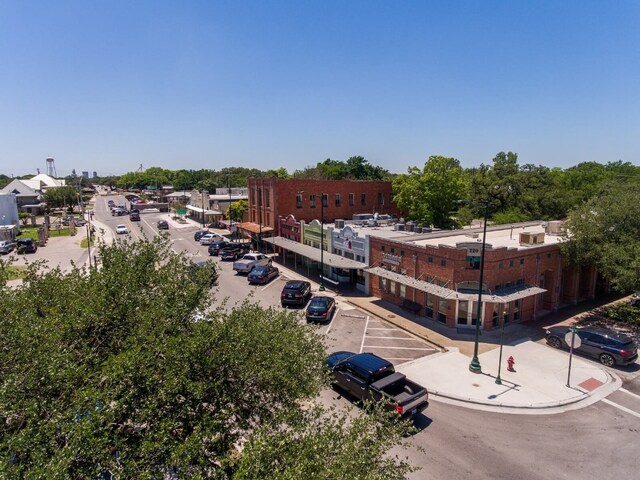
[(60, 197), (429, 196), (605, 232), (114, 369)]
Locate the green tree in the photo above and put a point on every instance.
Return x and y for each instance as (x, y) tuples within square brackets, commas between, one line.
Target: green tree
[(431, 195), (238, 209), (605, 232), (60, 197), (114, 369)]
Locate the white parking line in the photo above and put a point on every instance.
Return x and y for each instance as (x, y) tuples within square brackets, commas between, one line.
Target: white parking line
[(270, 284), (364, 335), (620, 407), (629, 393), (399, 348), (376, 328), (333, 319), (394, 338)]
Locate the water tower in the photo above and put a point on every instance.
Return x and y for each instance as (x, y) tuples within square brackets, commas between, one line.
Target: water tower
[(51, 167)]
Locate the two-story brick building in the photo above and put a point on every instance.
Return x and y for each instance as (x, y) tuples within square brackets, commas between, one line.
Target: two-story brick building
[(437, 274), (271, 197)]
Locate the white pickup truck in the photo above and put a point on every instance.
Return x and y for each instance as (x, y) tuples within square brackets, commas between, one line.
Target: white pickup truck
[(250, 261)]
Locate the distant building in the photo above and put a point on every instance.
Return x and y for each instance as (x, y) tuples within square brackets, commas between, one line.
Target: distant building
[(95, 174), (85, 175), (29, 192), (8, 209)]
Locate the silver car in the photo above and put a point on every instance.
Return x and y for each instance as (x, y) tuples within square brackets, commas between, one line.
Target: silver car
[(7, 246)]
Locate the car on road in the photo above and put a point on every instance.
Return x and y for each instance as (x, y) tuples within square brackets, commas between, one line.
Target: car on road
[(163, 225), (250, 261), (608, 346), (209, 267), (209, 238), (7, 246), (366, 376), (216, 247), (234, 251), (122, 229), (26, 245), (199, 234), (263, 274), (119, 212), (320, 309), (134, 217), (295, 292)]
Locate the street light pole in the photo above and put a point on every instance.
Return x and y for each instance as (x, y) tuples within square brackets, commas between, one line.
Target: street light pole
[(321, 242), (498, 379), (229, 209), (203, 209), (474, 366)]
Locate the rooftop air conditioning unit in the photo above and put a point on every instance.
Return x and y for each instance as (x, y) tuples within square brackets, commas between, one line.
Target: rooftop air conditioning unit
[(554, 227), (400, 227), (528, 238)]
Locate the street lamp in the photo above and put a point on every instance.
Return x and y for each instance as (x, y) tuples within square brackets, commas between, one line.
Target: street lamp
[(498, 379), (229, 209), (203, 209), (474, 366)]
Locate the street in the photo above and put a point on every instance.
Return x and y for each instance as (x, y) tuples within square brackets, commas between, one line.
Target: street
[(598, 441)]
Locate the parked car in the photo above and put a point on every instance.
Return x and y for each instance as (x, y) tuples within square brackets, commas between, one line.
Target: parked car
[(263, 274), (118, 212), (121, 229), (609, 347), (26, 245), (234, 251), (320, 309), (209, 238), (163, 225), (369, 377), (7, 246), (134, 217), (295, 292), (250, 261), (210, 268), (216, 247), (199, 234)]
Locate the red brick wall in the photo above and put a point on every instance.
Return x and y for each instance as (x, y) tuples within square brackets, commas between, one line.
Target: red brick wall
[(540, 266), (282, 201)]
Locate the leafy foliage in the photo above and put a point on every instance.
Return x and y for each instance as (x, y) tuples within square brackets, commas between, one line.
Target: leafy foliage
[(605, 232), (355, 168), (60, 197), (117, 369), (431, 195), (238, 209)]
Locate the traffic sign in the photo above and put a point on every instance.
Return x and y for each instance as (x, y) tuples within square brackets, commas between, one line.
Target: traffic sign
[(577, 341)]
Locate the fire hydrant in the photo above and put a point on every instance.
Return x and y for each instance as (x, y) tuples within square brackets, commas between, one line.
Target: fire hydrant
[(510, 363)]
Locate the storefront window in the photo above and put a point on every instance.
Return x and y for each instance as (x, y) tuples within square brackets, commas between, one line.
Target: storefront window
[(429, 305), (392, 287), (516, 310), (442, 310), (403, 290)]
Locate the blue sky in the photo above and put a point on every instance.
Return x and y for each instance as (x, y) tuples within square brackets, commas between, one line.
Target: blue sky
[(110, 85)]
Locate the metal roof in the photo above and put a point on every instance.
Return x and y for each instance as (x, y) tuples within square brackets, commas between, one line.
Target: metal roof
[(313, 253)]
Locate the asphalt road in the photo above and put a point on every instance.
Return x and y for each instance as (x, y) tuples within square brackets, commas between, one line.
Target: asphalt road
[(453, 442)]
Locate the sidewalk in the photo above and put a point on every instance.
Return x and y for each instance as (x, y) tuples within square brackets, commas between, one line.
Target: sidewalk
[(537, 385)]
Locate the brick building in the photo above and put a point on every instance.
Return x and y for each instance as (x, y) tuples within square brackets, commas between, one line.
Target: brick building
[(271, 197), (437, 274)]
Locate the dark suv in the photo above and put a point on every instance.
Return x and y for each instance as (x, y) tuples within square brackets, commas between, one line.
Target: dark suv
[(609, 347), (27, 245), (295, 292)]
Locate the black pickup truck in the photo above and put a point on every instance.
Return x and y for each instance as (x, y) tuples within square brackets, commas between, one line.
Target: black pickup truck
[(369, 377)]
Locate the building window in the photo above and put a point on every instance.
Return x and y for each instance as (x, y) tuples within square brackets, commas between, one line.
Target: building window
[(380, 198), (443, 263), (392, 287), (473, 263), (268, 218), (403, 290), (381, 283), (267, 198), (500, 265), (393, 250), (520, 282), (351, 199), (299, 200), (428, 311), (363, 199), (402, 253), (325, 200), (548, 255), (312, 200), (260, 197), (430, 259), (516, 310), (442, 310), (510, 263), (522, 261), (338, 200), (382, 248)]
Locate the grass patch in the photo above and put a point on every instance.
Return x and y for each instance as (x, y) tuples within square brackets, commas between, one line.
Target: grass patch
[(63, 232), (29, 232), (84, 243), (16, 271)]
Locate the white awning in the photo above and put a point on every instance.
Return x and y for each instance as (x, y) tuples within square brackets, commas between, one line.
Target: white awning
[(313, 253), (447, 293), (199, 210)]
